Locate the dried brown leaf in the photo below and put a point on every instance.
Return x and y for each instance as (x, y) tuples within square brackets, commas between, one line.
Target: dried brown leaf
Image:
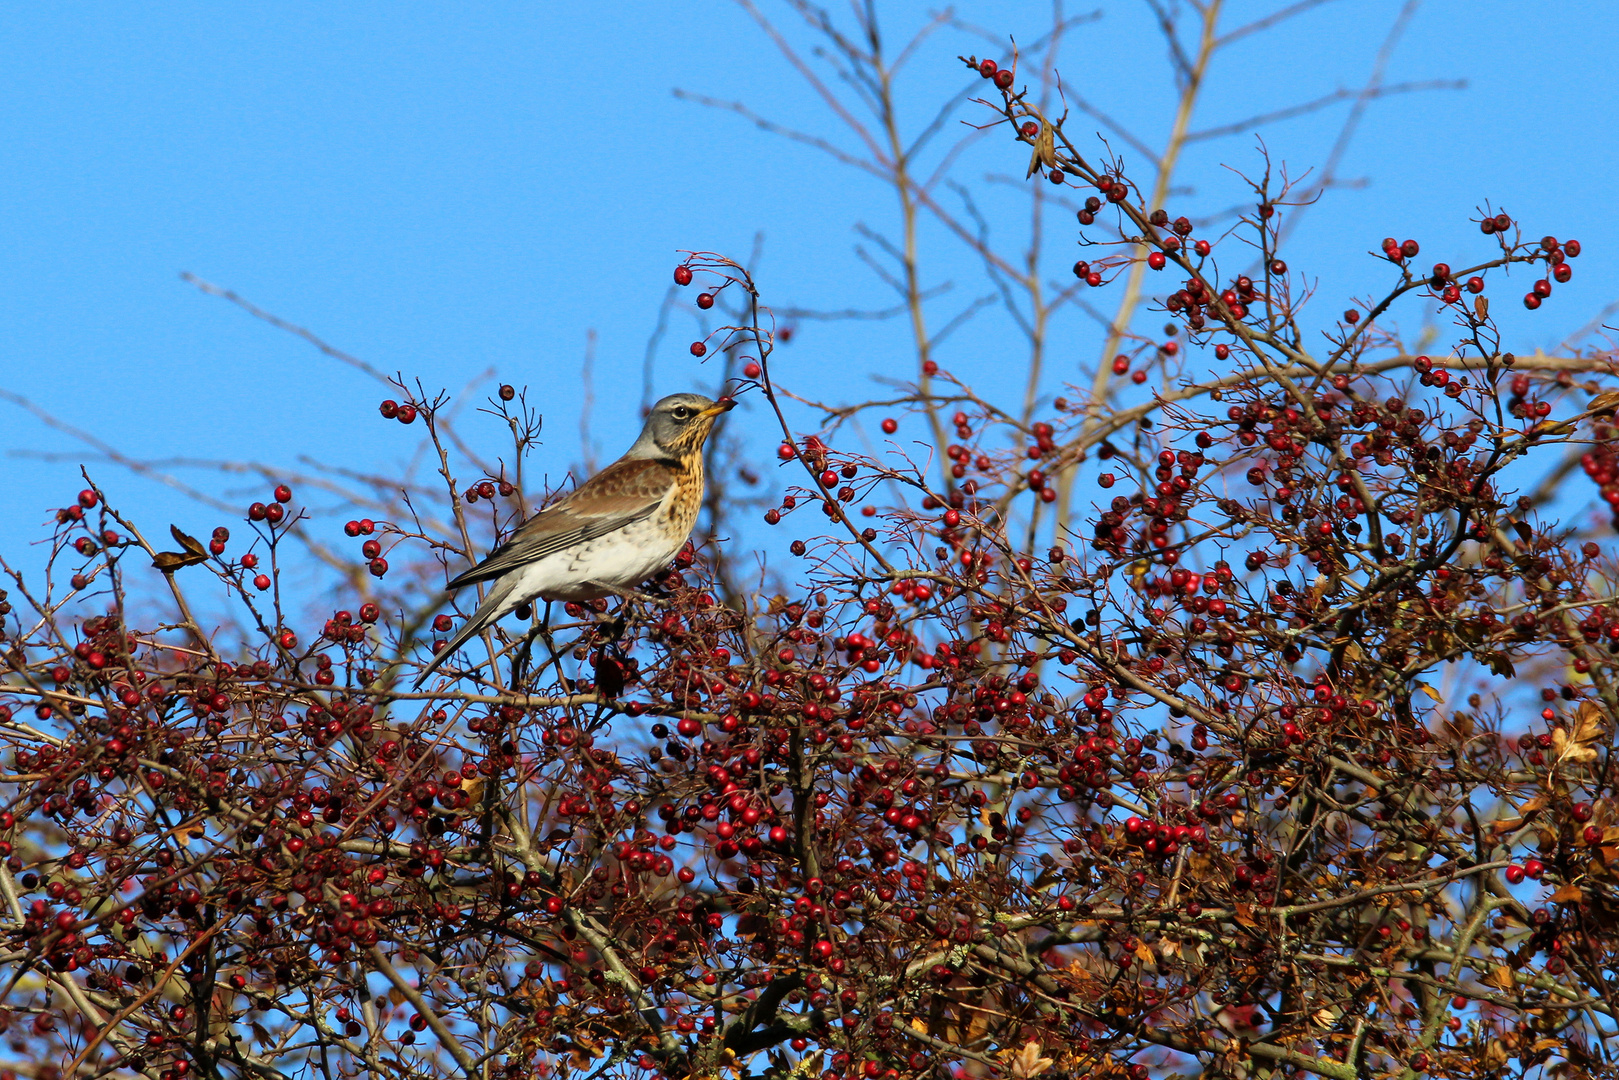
[(1028, 1062), (1570, 893), (1045, 151), (1605, 403)]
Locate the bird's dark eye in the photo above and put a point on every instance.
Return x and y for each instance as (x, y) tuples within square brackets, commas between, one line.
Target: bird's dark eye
[(681, 413)]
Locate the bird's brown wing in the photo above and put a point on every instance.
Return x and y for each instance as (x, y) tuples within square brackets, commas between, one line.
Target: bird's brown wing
[(621, 494)]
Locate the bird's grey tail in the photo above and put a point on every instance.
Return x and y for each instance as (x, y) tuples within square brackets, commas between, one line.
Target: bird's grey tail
[(493, 607)]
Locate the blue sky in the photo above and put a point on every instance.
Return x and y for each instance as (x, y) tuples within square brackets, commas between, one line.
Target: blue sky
[(443, 190)]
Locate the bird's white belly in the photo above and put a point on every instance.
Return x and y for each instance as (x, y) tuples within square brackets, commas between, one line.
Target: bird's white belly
[(621, 559)]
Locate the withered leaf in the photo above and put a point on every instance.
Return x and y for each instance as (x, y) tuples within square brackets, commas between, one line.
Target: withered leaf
[(170, 561), (1568, 894), (1481, 307), (1045, 150), (1028, 1062), (1605, 403), (1590, 726), (190, 543), (1525, 533), (1500, 977), (1245, 915)]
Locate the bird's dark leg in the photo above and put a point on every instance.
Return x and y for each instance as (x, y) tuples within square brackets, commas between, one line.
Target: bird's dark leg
[(543, 631)]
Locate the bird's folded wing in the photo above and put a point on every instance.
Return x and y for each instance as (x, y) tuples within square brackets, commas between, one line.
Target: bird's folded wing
[(620, 495)]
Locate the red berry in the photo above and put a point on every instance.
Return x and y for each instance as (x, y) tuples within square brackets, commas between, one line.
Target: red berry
[(1222, 351), (507, 392), (1202, 247), (1121, 364), (929, 367), (987, 68), (1003, 79), (1106, 480), (1543, 288), (389, 409), (682, 275), (1571, 248), (283, 493), (261, 582), (890, 425), (1475, 284), (786, 452), (1514, 874), (1531, 301), (1562, 272), (752, 370), (1277, 267), (698, 348), (87, 498), (705, 300), (1409, 249), (1156, 260), (379, 567), (407, 414)]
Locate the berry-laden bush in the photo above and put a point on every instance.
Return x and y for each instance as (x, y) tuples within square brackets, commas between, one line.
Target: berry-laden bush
[(1227, 773)]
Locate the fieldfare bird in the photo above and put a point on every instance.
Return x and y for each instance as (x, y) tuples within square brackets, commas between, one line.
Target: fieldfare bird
[(613, 532)]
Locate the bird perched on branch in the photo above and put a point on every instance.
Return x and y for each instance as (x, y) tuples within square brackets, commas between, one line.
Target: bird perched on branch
[(611, 533)]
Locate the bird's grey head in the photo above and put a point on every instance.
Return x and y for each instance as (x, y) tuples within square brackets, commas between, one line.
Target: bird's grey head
[(678, 424)]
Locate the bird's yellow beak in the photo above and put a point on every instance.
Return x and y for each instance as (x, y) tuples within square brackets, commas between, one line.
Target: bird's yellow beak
[(724, 405)]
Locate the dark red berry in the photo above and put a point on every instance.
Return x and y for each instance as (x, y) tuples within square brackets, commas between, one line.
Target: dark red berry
[(682, 275)]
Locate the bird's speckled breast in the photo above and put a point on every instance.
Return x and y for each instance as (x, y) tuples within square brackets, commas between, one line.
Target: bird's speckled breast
[(679, 513)]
